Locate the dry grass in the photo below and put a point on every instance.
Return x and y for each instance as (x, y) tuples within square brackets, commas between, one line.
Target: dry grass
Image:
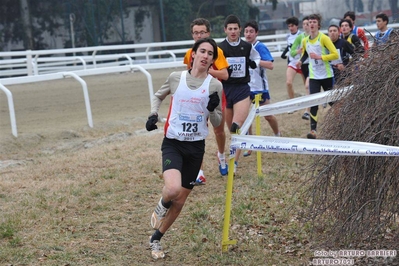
[(358, 196), (86, 200), (84, 197)]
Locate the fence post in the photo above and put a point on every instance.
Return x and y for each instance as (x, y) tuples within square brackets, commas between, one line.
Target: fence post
[(29, 67), (11, 109), (85, 94)]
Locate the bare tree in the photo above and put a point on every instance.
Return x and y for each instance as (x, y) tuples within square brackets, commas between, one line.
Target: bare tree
[(371, 8), (394, 8), (27, 24), (355, 5)]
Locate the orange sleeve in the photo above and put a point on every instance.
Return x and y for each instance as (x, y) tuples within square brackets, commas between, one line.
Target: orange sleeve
[(363, 37), (221, 61), (187, 58)]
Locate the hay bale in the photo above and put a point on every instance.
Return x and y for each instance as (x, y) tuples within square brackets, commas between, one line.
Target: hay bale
[(356, 199)]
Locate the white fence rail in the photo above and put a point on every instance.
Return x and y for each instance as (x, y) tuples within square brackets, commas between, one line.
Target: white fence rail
[(55, 65), (61, 75), (51, 61)]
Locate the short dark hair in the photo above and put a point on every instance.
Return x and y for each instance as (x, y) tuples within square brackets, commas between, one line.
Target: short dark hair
[(305, 18), (292, 20), (252, 24), (200, 22), (348, 21), (316, 17), (350, 14), (211, 42), (333, 26), (383, 16), (232, 19)]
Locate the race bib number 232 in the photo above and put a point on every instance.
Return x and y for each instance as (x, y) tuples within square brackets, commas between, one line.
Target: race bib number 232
[(237, 65)]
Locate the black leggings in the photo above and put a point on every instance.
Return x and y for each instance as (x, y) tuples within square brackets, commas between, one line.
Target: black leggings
[(315, 86), (305, 70)]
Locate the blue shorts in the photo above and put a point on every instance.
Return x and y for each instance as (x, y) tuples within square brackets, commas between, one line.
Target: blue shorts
[(184, 156), (236, 93), (265, 96)]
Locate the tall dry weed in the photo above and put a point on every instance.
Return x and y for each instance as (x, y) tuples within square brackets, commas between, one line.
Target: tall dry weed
[(355, 200)]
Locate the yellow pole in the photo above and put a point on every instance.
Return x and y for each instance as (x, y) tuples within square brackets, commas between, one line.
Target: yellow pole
[(227, 210), (257, 130)]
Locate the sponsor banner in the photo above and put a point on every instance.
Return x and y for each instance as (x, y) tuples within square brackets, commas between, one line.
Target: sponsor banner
[(309, 146)]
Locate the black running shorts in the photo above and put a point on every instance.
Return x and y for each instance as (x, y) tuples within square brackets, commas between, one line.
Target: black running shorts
[(185, 156), (236, 92)]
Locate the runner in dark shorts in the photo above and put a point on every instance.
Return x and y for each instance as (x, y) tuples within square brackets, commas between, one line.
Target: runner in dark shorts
[(183, 156), (236, 93)]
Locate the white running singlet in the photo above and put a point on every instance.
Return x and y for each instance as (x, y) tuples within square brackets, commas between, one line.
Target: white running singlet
[(318, 69), (290, 40), (187, 118)]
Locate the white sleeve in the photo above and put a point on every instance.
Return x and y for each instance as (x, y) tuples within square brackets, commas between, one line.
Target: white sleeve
[(254, 56)]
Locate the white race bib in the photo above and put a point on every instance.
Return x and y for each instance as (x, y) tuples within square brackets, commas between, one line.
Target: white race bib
[(237, 65)]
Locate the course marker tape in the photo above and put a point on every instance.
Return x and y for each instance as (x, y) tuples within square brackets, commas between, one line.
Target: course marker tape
[(310, 146)]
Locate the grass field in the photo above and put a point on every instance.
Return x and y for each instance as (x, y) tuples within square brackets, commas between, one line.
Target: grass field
[(72, 195)]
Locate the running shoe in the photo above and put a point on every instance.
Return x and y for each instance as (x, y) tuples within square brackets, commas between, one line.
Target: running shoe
[(158, 215), (223, 168), (311, 134), (247, 153), (156, 250), (306, 116), (201, 180)]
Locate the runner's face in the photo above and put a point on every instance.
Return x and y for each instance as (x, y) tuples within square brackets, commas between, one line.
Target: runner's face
[(333, 33), (250, 34), (292, 28), (313, 25), (199, 32), (305, 26), (345, 28), (380, 23), (232, 32), (203, 57)]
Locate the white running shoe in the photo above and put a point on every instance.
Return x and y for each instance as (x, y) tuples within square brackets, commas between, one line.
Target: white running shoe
[(222, 164), (156, 250), (306, 116)]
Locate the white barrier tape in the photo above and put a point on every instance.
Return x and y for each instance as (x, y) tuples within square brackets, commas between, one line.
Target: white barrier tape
[(248, 122), (303, 102), (307, 146), (292, 105)]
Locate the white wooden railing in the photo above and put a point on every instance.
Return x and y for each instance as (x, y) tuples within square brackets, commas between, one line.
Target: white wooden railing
[(34, 68), (55, 60), (61, 75)]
